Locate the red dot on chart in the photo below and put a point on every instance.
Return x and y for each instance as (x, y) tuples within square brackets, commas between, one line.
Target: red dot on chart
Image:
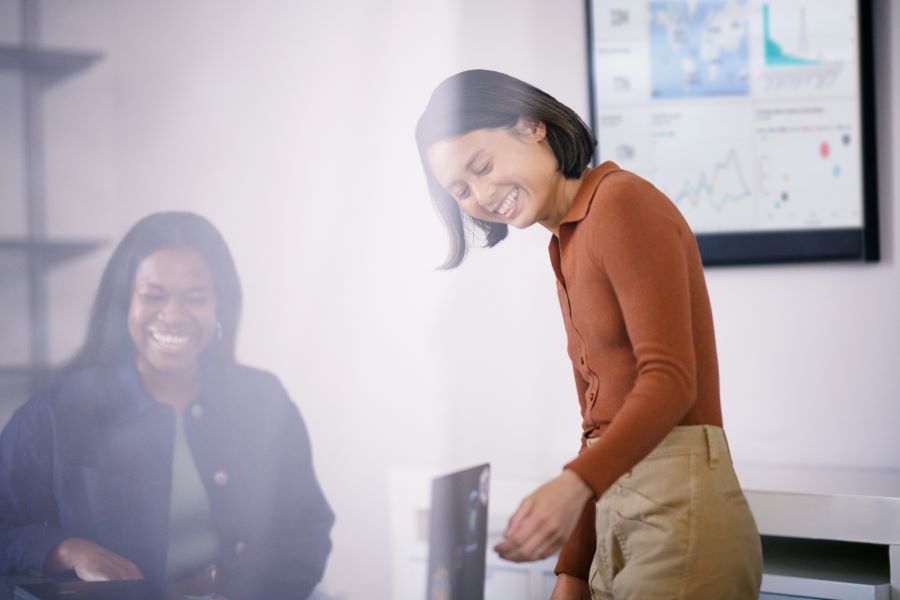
[(824, 150)]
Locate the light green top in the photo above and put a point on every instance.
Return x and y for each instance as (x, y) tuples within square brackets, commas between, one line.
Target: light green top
[(193, 544)]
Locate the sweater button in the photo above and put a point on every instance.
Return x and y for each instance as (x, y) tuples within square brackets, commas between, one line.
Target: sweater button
[(196, 411), (239, 548), (220, 478)]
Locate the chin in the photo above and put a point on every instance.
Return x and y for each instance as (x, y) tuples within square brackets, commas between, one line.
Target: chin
[(521, 223)]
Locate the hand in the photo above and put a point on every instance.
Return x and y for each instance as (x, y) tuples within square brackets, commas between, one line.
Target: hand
[(201, 583), (570, 588), (545, 519), (90, 561)]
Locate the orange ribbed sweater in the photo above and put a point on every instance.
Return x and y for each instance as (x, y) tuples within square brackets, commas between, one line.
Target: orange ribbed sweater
[(639, 327)]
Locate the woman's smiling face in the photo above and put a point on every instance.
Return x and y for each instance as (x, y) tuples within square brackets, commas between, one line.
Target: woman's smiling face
[(499, 175), (172, 315)]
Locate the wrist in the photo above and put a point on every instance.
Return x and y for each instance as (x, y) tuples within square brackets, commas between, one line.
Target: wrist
[(570, 587), (578, 485)]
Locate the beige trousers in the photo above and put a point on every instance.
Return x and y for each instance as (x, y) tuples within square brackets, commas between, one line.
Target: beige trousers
[(677, 526)]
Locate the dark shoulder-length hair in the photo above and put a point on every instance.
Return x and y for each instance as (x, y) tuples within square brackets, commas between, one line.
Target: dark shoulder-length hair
[(107, 340), (481, 99)]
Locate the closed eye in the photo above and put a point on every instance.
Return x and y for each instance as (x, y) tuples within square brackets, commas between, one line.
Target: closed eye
[(197, 300), (484, 169)]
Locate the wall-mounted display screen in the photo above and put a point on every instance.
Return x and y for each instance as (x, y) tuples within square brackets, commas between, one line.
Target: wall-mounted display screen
[(755, 117)]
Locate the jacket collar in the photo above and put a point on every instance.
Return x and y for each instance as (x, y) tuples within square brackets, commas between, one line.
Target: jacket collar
[(128, 398)]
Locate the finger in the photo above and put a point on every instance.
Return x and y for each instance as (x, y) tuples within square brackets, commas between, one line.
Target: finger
[(133, 572), (515, 551), (530, 550), (555, 541), (549, 549), (505, 548), (121, 568), (512, 542), (534, 538), (92, 574), (519, 516), (117, 568), (543, 540), (110, 567), (510, 549)]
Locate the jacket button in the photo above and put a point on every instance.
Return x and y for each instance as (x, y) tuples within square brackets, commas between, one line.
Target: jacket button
[(196, 411), (239, 548), (220, 477)]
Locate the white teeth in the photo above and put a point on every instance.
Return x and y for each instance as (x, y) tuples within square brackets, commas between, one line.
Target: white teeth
[(508, 202), (168, 339)]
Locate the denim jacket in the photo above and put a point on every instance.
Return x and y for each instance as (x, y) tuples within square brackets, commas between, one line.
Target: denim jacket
[(91, 456)]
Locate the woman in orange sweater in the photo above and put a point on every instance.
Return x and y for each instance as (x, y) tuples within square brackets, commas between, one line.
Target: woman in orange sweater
[(651, 507)]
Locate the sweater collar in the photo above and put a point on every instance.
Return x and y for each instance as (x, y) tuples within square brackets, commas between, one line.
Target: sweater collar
[(585, 195)]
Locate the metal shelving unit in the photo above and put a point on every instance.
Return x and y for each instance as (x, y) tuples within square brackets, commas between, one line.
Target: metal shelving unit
[(39, 68)]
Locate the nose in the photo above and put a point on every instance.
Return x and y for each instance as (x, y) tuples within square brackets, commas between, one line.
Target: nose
[(484, 195), (172, 312)]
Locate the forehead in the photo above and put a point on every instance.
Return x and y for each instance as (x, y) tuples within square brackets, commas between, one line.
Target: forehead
[(448, 158), (174, 266)]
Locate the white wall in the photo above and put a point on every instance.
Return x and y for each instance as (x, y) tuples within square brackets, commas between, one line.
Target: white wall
[(809, 353), (290, 124)]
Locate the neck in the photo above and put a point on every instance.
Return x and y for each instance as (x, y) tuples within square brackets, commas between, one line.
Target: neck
[(176, 389), (565, 194)]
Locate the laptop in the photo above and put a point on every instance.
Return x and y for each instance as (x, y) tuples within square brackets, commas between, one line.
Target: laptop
[(137, 589), (457, 535)]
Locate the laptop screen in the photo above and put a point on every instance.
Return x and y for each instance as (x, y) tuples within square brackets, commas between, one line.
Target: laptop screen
[(458, 535)]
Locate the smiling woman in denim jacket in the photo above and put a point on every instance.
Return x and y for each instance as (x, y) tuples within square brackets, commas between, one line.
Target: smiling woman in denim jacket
[(155, 454)]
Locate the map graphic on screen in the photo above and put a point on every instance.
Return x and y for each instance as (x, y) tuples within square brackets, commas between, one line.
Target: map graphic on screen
[(746, 113)]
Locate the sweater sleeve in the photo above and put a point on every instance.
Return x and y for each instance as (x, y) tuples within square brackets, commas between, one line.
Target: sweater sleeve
[(639, 244), (28, 514), (577, 553)]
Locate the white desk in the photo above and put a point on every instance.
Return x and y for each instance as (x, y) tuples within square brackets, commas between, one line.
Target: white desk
[(809, 505), (839, 505)]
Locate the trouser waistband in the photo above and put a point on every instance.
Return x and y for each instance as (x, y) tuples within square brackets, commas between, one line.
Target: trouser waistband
[(707, 440), (693, 439)]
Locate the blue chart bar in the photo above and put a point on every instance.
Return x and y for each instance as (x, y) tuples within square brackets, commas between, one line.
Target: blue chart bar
[(775, 56)]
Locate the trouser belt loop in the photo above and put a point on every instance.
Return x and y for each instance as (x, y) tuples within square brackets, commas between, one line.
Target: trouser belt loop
[(711, 447)]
